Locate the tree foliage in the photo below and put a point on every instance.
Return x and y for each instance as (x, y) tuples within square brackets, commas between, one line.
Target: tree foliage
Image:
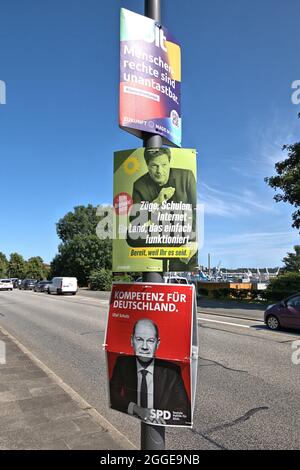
[(80, 256), (81, 251), (292, 260), (82, 221), (35, 268), (283, 286), (100, 279), (16, 266), (288, 180), (3, 265)]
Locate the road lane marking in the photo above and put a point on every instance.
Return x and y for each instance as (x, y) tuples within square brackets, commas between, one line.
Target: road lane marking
[(89, 301), (224, 322), (101, 301), (74, 297), (233, 318), (221, 314)]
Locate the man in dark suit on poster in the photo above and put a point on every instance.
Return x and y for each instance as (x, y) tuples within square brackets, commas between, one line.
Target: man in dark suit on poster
[(149, 388), (164, 184)]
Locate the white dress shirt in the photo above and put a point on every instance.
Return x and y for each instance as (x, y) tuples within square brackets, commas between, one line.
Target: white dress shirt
[(150, 386)]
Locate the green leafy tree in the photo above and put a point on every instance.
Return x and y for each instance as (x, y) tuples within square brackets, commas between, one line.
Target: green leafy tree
[(16, 266), (288, 180), (35, 268), (81, 251), (124, 277), (80, 256), (292, 260), (282, 286), (47, 271), (3, 265), (82, 221)]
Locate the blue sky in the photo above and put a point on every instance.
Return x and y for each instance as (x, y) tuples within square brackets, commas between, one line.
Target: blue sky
[(59, 126)]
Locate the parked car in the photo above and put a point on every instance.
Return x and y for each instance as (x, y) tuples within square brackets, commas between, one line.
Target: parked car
[(27, 284), (6, 284), (42, 286), (63, 285), (284, 314), (175, 280), (169, 280), (16, 283), (14, 280)]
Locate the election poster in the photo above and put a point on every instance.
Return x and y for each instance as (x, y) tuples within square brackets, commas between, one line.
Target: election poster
[(155, 210), (150, 79), (150, 355)]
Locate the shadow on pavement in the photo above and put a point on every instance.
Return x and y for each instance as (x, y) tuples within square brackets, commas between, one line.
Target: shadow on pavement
[(282, 330)]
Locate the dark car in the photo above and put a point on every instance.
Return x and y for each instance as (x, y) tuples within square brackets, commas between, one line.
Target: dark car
[(42, 286), (16, 283), (28, 284), (284, 314)]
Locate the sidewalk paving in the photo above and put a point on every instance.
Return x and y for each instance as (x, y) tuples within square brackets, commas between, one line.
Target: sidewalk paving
[(37, 413)]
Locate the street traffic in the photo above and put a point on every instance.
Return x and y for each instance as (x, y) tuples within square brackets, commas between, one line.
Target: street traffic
[(247, 382)]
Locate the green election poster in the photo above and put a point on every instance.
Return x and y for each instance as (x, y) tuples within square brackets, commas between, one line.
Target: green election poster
[(155, 210)]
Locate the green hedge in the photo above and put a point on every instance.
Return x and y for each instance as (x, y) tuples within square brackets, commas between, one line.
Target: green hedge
[(100, 279), (203, 291), (123, 278), (283, 286), (227, 293)]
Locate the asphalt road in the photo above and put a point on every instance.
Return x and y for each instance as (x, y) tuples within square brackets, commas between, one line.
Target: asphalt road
[(248, 388)]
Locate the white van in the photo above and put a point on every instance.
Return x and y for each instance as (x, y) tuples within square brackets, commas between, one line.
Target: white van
[(63, 285), (175, 280)]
